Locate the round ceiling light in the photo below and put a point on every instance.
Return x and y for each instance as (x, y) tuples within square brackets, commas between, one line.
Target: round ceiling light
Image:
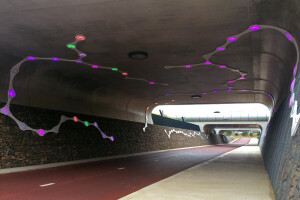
[(138, 55)]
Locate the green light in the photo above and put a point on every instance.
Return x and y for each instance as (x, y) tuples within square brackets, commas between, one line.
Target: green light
[(71, 46), (114, 69), (86, 123)]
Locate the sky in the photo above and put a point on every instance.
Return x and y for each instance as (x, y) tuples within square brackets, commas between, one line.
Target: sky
[(204, 109)]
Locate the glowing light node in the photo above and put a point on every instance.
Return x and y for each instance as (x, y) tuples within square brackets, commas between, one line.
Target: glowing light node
[(86, 123), (244, 90), (95, 66), (82, 55), (124, 74), (207, 63), (231, 39), (220, 49), (222, 66), (173, 100), (151, 83), (292, 84), (5, 111), (41, 132), (254, 28), (75, 119), (230, 81), (80, 37), (71, 46), (188, 66), (55, 59), (112, 138), (215, 91), (95, 124), (289, 37), (114, 69), (242, 78), (228, 90), (78, 61), (12, 93), (30, 58), (295, 69)]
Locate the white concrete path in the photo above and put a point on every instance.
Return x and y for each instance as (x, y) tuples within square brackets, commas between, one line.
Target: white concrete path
[(237, 175)]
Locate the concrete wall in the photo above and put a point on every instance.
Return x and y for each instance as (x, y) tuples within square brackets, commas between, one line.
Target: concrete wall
[(75, 141), (281, 153)]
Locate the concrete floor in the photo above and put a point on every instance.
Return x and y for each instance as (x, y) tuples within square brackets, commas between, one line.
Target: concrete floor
[(237, 175)]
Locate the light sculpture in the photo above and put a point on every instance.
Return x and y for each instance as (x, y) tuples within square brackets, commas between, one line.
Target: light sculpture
[(242, 75)]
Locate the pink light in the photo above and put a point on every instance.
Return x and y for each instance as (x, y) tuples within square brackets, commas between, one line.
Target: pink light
[(207, 63), (228, 89), (289, 37), (112, 138), (75, 119), (124, 74), (230, 81), (222, 66), (95, 66), (254, 28), (152, 83), (30, 58), (291, 100), (188, 66), (295, 69), (231, 39), (41, 132), (80, 37), (215, 91), (5, 111), (12, 93), (55, 59), (220, 49), (242, 78), (292, 84)]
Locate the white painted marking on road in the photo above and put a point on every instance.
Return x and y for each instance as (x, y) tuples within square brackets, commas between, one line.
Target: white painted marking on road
[(47, 184)]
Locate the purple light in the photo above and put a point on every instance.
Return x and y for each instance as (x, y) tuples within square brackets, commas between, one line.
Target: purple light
[(270, 96), (228, 89), (12, 93), (242, 78), (30, 58), (152, 83), (244, 90), (112, 138), (78, 61), (254, 28), (231, 39), (95, 66), (5, 111), (222, 66), (188, 66), (230, 81), (289, 37), (207, 63), (292, 84), (95, 124), (204, 92), (291, 100), (167, 94), (220, 49), (82, 55), (55, 59), (295, 69), (215, 91), (41, 132)]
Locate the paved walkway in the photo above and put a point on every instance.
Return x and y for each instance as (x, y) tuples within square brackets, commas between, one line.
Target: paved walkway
[(107, 179), (237, 175)]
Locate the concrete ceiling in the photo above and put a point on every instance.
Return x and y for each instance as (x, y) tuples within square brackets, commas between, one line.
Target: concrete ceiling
[(172, 32)]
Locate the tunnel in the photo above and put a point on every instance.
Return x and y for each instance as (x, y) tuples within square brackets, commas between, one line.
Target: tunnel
[(80, 81)]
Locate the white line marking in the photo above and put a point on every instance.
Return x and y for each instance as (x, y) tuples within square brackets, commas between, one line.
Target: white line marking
[(47, 184)]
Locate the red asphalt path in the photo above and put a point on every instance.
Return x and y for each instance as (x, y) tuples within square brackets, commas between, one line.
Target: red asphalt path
[(102, 180)]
